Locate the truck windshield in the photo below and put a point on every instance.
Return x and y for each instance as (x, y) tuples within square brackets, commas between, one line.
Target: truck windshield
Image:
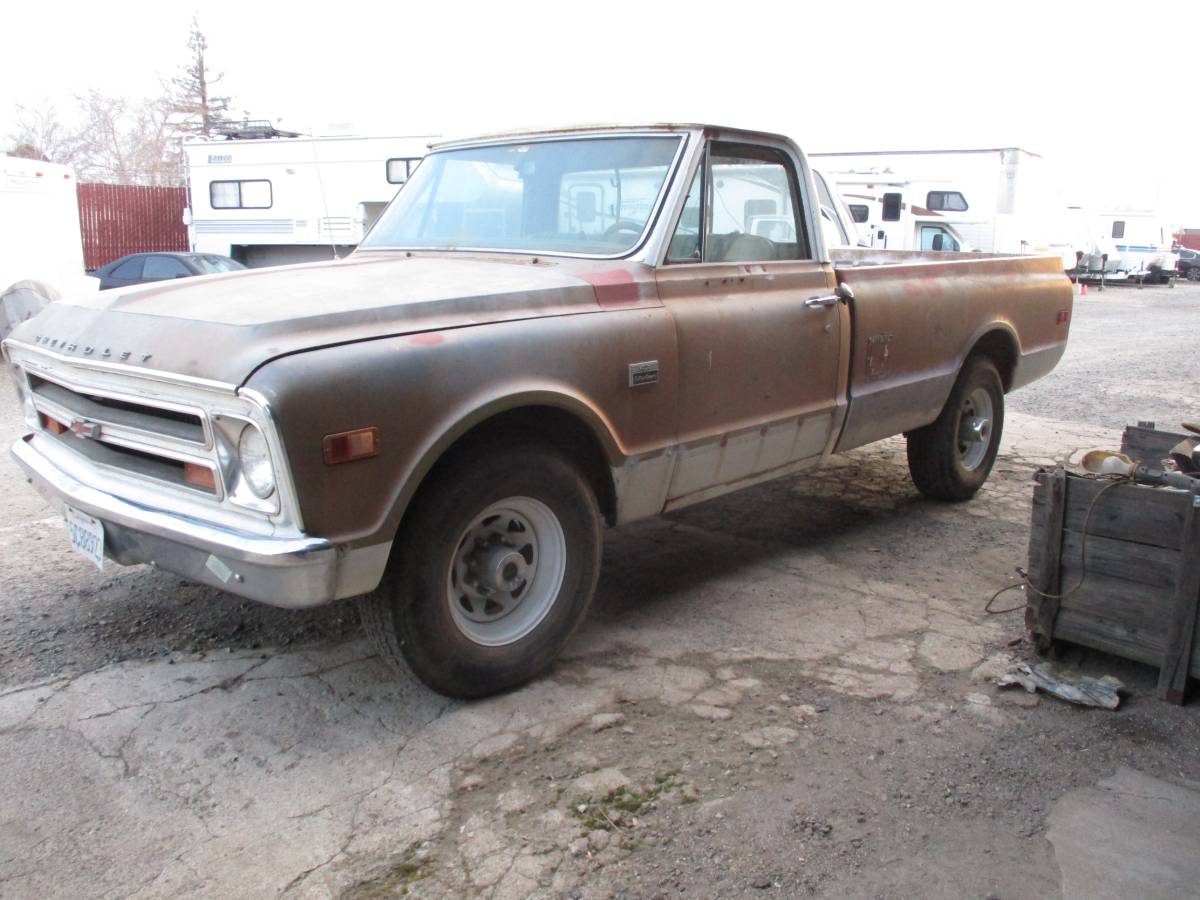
[(588, 196)]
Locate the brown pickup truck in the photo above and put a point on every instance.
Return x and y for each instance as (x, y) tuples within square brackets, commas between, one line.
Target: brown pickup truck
[(543, 334)]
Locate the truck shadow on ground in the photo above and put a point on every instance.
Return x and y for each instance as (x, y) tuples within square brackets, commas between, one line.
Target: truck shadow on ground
[(863, 500)]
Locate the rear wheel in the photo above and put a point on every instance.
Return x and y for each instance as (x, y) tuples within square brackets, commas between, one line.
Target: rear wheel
[(494, 569), (951, 458)]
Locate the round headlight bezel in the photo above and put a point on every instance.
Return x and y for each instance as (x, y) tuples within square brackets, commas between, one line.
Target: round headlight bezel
[(254, 462)]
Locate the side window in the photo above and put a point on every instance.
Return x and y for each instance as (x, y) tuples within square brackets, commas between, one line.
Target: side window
[(950, 201), (1118, 229), (253, 194), (859, 212), (399, 169), (685, 242), (131, 268), (891, 207), (752, 206), (159, 267), (936, 238)]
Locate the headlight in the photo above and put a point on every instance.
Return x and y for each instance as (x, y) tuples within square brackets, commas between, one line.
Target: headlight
[(254, 459)]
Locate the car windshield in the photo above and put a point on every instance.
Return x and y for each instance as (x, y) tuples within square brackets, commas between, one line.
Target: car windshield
[(591, 196)]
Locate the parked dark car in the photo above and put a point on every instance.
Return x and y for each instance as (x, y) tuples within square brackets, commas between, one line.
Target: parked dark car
[(1189, 264), (140, 268)]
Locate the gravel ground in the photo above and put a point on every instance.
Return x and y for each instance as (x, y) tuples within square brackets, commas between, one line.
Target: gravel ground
[(784, 692), (1132, 356)]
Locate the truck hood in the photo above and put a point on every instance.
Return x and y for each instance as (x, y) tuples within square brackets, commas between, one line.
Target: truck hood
[(223, 327)]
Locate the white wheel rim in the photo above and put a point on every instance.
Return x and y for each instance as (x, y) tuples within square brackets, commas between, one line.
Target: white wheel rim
[(975, 425), (506, 571)]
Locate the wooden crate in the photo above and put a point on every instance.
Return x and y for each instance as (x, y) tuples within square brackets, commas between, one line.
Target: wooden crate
[(1144, 443), (1140, 597)]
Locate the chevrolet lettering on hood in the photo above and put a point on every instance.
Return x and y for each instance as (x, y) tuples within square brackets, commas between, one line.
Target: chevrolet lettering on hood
[(65, 346)]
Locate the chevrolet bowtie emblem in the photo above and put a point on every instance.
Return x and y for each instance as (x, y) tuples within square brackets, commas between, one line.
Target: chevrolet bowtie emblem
[(85, 428)]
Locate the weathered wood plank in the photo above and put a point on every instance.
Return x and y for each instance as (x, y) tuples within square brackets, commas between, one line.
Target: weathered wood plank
[(1136, 608), (1036, 559), (1181, 631), (1139, 563), (1149, 445), (1080, 628), (1127, 512), (1048, 583)]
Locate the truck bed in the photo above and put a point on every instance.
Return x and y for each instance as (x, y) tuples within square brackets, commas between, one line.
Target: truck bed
[(907, 351)]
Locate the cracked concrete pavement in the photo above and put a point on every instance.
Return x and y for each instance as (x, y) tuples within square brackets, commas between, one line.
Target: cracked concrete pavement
[(787, 690)]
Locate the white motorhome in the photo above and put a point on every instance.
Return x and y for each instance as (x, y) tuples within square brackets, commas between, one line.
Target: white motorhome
[(1001, 200), (886, 205), (42, 250), (1130, 245), (277, 200)]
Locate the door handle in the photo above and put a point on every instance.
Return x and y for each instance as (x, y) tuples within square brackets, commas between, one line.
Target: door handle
[(822, 301)]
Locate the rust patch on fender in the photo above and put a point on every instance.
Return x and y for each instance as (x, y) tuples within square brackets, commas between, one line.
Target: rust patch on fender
[(613, 287), (427, 339)]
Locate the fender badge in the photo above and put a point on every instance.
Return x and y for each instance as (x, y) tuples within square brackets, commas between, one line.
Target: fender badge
[(643, 373)]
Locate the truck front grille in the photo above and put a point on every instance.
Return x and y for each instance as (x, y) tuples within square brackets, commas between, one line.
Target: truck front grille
[(140, 437)]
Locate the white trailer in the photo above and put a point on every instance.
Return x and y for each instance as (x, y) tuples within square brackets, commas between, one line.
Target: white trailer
[(272, 201), (887, 208), (1001, 200), (1130, 245), (41, 250)]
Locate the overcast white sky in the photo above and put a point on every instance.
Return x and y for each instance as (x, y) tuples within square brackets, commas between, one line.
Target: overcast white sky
[(1093, 86)]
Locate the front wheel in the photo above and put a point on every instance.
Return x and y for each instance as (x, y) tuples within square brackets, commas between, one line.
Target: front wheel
[(494, 568), (951, 458)]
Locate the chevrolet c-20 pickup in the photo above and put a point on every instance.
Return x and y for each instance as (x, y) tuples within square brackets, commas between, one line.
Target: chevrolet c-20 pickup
[(544, 333)]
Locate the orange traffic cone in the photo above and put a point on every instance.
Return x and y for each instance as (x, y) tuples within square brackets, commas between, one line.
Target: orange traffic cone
[(1083, 289)]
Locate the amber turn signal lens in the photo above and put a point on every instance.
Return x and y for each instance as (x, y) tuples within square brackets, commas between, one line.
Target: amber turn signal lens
[(348, 446), (53, 425), (200, 476)]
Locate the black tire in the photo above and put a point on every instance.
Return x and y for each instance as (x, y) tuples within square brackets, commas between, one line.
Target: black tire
[(409, 617), (936, 457)]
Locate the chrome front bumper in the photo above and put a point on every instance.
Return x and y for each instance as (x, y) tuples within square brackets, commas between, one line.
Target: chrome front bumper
[(290, 572)]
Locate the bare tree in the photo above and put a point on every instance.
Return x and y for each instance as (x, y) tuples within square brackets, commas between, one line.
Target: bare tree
[(40, 134), (196, 109), (126, 142)]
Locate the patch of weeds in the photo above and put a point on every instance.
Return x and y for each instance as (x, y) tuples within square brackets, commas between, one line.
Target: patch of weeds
[(618, 810), (415, 865)]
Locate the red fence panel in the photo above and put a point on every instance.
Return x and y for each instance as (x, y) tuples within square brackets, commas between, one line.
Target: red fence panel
[(128, 218)]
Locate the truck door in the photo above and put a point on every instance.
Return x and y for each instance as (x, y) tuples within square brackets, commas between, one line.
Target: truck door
[(758, 324)]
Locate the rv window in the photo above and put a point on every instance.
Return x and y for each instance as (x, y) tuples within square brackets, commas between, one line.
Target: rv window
[(1118, 229), (859, 212), (400, 168), (891, 207), (254, 194), (950, 201)]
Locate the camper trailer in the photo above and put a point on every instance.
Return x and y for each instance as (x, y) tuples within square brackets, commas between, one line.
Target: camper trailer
[(887, 208), (275, 200), (42, 257), (1130, 245), (1002, 200)]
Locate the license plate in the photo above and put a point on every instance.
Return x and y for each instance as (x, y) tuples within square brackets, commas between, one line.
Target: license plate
[(86, 535)]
